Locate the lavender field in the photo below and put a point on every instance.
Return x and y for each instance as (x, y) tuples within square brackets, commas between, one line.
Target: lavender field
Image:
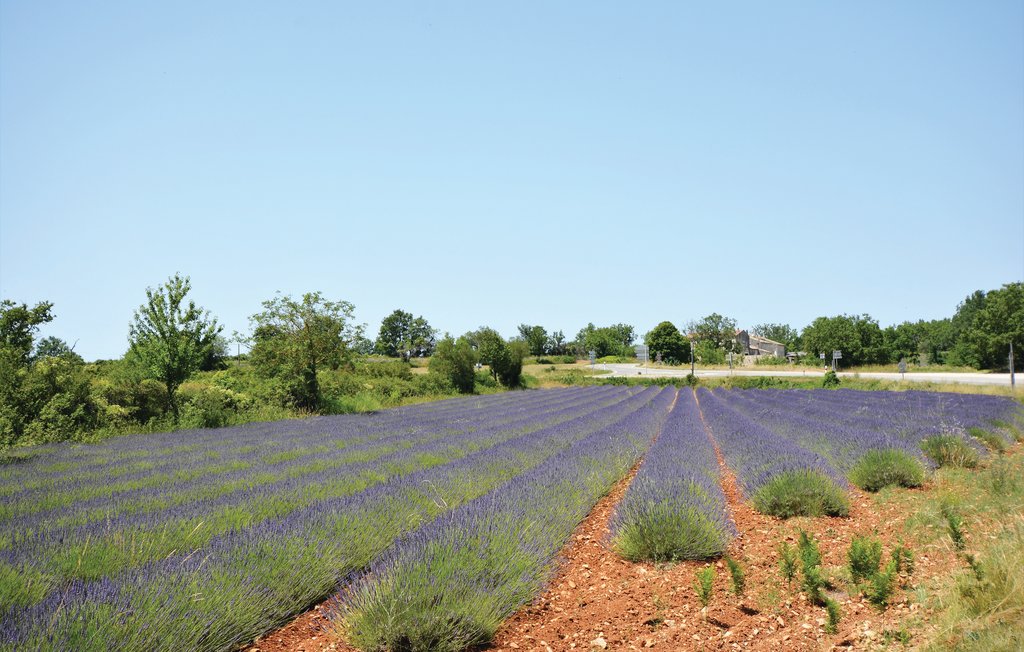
[(441, 517)]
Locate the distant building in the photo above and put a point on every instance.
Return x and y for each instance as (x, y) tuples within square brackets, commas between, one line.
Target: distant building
[(756, 345)]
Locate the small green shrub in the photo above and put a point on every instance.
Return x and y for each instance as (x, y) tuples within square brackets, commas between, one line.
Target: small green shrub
[(704, 585), (881, 586), (954, 524), (904, 559), (950, 450), (834, 616), (665, 532), (864, 555), (787, 561), (810, 558), (830, 380), (882, 468), (691, 380), (801, 492), (738, 576)]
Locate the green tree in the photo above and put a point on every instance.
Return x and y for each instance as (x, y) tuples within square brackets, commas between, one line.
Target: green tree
[(666, 339), (717, 330), (19, 325), (490, 347), (998, 323), (453, 363), (827, 334), (171, 338), (54, 347), (294, 339), (616, 339), (536, 338), (556, 343), (781, 333), (402, 335), (509, 364)]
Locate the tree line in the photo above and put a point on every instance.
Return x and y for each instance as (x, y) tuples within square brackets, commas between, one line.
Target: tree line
[(308, 355)]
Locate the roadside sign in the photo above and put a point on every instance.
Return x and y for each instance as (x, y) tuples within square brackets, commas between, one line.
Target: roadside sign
[(593, 356), (821, 355), (836, 355)]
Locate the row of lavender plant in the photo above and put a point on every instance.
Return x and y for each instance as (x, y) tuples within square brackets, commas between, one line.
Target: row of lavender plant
[(838, 440), (912, 415), (62, 468), (112, 544), (63, 506), (675, 507), (449, 585), (778, 476), (245, 581)]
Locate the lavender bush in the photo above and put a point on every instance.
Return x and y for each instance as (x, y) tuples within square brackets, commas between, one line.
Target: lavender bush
[(675, 508)]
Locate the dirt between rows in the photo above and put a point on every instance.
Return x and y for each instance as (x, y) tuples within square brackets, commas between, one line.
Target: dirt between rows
[(598, 601)]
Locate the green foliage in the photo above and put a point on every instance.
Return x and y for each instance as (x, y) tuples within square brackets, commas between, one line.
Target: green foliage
[(716, 332), (293, 340), (737, 575), (813, 581), (950, 450), (536, 338), (834, 614), (830, 380), (616, 339), (781, 333), (859, 337), (666, 339), (453, 364), (19, 325), (998, 321), (171, 338), (704, 585), (886, 467), (801, 492), (787, 561), (864, 555), (403, 336), (881, 586), (707, 352)]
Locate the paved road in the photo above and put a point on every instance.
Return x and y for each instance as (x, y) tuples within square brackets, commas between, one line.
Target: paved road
[(633, 370)]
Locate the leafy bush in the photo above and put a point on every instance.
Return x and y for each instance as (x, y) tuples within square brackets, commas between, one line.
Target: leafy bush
[(830, 380), (864, 555), (801, 492), (770, 361), (950, 450), (882, 468)]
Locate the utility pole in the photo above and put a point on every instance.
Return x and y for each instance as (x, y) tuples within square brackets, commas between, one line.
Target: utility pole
[(691, 359), (1013, 377)]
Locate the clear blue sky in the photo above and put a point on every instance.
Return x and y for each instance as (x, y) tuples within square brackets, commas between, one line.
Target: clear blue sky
[(551, 163)]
